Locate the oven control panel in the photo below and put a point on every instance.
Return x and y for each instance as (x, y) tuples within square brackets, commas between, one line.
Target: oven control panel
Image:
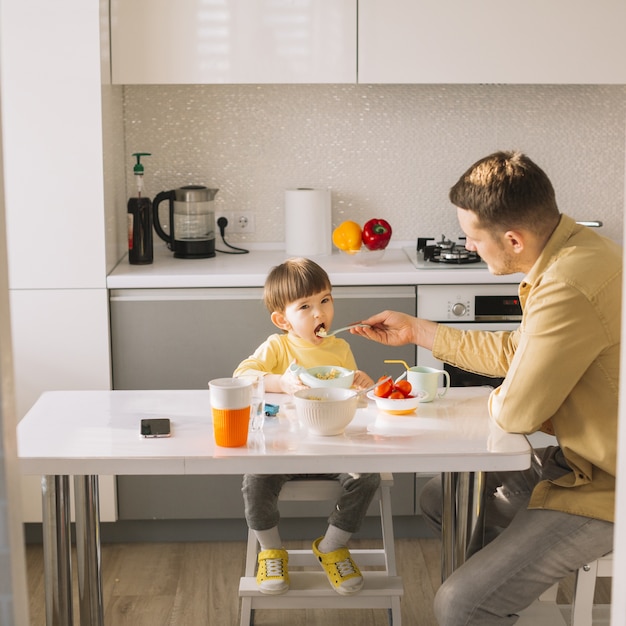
[(469, 303)]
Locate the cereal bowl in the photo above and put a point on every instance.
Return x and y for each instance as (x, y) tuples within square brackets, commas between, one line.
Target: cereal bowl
[(397, 406), (325, 411), (327, 376)]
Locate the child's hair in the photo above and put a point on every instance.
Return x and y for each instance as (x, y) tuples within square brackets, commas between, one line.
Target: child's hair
[(292, 280)]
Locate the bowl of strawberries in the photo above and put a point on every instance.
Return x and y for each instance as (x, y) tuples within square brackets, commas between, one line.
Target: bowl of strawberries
[(396, 397)]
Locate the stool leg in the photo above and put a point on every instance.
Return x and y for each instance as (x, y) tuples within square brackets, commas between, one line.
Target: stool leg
[(395, 615), (386, 522), (251, 554), (247, 612), (582, 610)]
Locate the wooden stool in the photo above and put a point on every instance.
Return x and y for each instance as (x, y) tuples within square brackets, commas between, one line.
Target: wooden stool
[(310, 588)]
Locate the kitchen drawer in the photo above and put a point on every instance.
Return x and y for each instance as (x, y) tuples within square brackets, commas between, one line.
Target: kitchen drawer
[(182, 338)]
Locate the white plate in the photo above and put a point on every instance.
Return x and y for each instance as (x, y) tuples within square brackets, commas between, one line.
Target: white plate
[(401, 406)]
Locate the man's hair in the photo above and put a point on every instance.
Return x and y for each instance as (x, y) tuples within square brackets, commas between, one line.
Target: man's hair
[(292, 280), (506, 190)]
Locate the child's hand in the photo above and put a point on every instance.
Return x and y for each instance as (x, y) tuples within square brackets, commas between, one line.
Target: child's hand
[(290, 381), (361, 380)]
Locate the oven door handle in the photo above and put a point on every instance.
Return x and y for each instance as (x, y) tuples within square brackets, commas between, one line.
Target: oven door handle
[(497, 318)]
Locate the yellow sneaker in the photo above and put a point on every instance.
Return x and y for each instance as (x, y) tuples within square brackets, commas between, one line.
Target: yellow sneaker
[(272, 576), (341, 571)]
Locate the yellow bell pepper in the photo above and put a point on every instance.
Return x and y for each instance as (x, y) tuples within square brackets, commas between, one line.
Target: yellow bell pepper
[(347, 237)]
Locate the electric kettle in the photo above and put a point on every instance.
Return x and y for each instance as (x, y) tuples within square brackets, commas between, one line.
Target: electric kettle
[(191, 221)]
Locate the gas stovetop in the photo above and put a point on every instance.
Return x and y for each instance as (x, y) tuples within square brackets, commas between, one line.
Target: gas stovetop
[(443, 254)]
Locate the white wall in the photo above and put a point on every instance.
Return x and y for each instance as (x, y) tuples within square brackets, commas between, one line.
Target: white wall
[(389, 151)]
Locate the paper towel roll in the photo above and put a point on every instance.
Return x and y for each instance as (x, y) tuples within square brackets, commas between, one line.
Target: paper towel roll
[(308, 222)]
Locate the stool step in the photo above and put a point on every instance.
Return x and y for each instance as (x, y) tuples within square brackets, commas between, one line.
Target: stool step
[(362, 557), (306, 589)]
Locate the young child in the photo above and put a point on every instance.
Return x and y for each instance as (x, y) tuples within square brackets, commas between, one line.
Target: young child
[(298, 295)]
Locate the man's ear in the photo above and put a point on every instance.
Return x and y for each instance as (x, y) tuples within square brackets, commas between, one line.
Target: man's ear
[(280, 321), (514, 239)]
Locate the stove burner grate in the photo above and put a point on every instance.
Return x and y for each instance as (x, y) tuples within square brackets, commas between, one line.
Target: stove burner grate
[(446, 252)]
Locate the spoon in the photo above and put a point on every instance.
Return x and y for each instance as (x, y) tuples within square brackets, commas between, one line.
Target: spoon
[(322, 331), (365, 391)]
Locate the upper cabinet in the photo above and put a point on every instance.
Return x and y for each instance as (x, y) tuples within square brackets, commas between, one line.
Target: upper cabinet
[(399, 41), (233, 41), (492, 41)]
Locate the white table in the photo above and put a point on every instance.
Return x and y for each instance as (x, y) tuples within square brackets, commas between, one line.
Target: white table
[(89, 433)]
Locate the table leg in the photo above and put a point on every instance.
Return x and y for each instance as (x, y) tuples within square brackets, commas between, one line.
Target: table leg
[(463, 517), (88, 550), (57, 545), (448, 523), (462, 501)]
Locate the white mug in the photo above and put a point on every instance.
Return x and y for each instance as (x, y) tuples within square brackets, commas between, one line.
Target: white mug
[(426, 380), (230, 393)]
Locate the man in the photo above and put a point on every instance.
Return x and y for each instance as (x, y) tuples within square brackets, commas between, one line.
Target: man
[(561, 372)]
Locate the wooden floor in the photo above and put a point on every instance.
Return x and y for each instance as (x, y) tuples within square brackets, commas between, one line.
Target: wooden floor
[(196, 584)]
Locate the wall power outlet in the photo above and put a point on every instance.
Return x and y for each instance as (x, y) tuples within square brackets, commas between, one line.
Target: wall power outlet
[(238, 221)]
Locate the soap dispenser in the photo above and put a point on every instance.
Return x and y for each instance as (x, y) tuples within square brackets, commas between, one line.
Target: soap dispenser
[(139, 219)]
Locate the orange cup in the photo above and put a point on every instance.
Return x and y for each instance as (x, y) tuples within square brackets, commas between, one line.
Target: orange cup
[(230, 427), (230, 408)]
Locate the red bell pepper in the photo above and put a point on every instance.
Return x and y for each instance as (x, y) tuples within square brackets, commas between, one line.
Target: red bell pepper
[(376, 234)]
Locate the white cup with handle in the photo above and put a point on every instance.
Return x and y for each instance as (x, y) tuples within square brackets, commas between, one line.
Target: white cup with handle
[(426, 380)]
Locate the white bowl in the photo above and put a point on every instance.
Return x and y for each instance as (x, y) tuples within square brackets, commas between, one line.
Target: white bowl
[(317, 376), (397, 406), (326, 410)]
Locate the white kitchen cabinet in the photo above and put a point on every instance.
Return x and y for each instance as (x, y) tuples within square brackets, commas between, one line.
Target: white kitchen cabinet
[(490, 41), (53, 157), (56, 346), (233, 41), (53, 129)]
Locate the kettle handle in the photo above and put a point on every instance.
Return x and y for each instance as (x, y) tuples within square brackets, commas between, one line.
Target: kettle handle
[(163, 195)]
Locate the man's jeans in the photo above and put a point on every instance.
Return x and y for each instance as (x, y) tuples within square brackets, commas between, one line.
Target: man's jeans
[(525, 551)]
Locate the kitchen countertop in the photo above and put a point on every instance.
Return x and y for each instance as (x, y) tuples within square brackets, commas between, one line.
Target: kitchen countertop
[(250, 270)]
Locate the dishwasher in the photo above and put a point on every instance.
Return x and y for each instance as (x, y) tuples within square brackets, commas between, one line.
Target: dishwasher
[(181, 338)]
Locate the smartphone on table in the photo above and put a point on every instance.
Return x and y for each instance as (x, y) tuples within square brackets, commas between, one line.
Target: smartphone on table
[(155, 427)]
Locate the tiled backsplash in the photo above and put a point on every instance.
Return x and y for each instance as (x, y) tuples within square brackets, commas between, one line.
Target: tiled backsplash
[(389, 151)]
